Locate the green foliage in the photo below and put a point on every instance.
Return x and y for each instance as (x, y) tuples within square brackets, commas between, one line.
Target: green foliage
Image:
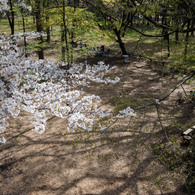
[(35, 46), (181, 63), (78, 20), (122, 102), (166, 156), (189, 158)]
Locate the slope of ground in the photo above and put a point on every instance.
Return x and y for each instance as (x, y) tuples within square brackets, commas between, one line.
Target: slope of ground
[(139, 155)]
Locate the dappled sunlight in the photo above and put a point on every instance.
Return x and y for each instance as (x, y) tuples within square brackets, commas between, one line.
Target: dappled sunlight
[(117, 160), (97, 97)]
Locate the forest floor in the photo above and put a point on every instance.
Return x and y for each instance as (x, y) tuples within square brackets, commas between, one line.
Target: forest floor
[(139, 155)]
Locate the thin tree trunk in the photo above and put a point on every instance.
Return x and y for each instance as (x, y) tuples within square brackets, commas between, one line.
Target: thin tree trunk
[(177, 31), (168, 46), (192, 26), (72, 34), (176, 36), (34, 19), (65, 34), (11, 17), (48, 30), (186, 41), (63, 43), (24, 31), (72, 47), (166, 37)]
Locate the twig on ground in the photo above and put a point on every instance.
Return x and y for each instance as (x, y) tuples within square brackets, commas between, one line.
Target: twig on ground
[(184, 90), (166, 96)]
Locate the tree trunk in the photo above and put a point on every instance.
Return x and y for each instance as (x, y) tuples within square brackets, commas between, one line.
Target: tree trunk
[(24, 31), (65, 35), (192, 26), (168, 46), (34, 19), (120, 42), (48, 30), (72, 34), (10, 16), (63, 43), (39, 29), (186, 41), (176, 36), (131, 19)]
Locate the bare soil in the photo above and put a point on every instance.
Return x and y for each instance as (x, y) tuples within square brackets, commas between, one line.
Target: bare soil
[(134, 156)]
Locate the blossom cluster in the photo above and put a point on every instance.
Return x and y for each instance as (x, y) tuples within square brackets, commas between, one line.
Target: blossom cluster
[(43, 88), (3, 5), (126, 112), (23, 5), (29, 35)]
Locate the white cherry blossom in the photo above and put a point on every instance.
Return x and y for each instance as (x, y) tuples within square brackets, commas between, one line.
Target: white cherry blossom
[(43, 88)]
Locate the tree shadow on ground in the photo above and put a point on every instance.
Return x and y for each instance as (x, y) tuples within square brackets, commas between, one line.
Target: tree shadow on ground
[(117, 161), (58, 164)]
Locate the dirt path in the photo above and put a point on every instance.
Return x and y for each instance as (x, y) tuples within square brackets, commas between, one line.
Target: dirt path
[(131, 157)]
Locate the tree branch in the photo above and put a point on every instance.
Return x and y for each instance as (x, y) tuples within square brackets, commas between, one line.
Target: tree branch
[(166, 96)]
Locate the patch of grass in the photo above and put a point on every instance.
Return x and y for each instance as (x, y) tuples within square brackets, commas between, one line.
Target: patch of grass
[(170, 159), (131, 33), (121, 103), (29, 26)]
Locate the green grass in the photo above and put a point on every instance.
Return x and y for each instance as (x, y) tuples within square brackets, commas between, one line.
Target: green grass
[(4, 25), (149, 47)]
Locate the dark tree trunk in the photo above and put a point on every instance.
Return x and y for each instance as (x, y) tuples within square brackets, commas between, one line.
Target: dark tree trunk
[(34, 19), (39, 29), (164, 29), (192, 26), (48, 30), (72, 46), (63, 43), (10, 16), (168, 46), (24, 31), (165, 32), (120, 42), (176, 36), (157, 18), (166, 37), (177, 31), (73, 35), (65, 35), (131, 19), (186, 41)]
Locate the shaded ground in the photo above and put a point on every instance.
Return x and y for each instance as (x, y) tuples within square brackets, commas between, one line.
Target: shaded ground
[(136, 155)]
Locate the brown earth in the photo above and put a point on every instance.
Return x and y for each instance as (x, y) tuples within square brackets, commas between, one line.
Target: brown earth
[(134, 156)]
